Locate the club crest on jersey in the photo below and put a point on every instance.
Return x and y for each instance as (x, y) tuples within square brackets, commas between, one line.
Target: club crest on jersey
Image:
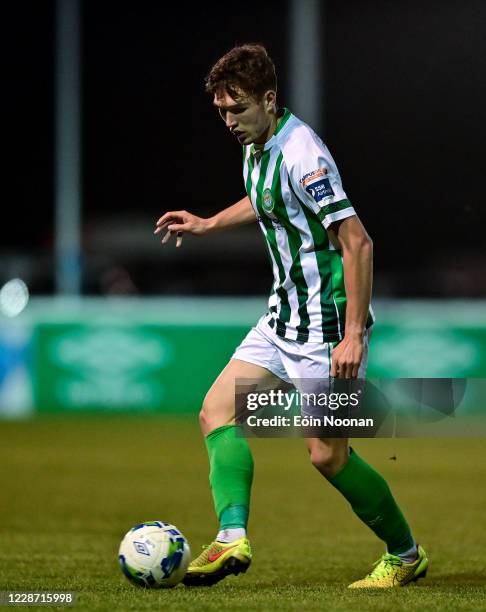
[(320, 190), (267, 201)]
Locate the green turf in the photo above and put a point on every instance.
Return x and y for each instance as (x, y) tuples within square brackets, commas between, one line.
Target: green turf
[(71, 487)]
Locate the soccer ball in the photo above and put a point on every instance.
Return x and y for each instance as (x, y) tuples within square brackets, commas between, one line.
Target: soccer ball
[(154, 555)]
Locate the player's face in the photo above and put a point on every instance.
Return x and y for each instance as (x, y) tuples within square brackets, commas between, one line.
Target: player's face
[(249, 120)]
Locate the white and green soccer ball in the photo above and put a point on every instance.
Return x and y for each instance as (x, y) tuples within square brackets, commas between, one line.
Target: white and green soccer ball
[(154, 555)]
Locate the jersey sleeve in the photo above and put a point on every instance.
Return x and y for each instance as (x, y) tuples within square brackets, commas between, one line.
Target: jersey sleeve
[(315, 180)]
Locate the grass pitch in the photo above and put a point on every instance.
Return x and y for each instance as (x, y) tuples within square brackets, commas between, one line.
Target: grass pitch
[(72, 486)]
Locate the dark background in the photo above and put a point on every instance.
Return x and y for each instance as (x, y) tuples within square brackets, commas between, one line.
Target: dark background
[(405, 100)]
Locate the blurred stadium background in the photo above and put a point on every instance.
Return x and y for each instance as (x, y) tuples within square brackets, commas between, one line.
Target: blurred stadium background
[(108, 126)]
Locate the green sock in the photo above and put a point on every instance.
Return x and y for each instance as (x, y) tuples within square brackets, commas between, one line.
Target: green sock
[(372, 501), (230, 475)]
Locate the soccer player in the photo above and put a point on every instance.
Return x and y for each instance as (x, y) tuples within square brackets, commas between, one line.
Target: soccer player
[(318, 321)]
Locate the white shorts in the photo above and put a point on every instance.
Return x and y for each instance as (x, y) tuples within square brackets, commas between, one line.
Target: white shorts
[(290, 360)]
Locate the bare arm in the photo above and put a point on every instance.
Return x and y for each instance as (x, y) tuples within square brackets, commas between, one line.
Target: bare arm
[(240, 213), (178, 222), (357, 249)]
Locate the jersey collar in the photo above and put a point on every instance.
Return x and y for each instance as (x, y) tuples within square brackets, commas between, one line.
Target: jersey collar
[(269, 144)]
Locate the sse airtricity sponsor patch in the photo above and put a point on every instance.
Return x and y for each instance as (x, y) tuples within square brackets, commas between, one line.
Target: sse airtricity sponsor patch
[(317, 185), (320, 190)]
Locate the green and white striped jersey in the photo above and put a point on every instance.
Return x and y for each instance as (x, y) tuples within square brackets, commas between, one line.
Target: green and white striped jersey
[(296, 192)]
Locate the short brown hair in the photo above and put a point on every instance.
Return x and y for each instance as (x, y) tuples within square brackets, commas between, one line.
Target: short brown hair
[(246, 68)]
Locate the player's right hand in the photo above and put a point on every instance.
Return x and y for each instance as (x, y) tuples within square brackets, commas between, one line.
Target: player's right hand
[(178, 222)]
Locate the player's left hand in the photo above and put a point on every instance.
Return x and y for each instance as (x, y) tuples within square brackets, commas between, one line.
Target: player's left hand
[(346, 357)]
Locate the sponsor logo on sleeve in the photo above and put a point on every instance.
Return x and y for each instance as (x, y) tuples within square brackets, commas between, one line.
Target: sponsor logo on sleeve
[(313, 176), (320, 190)]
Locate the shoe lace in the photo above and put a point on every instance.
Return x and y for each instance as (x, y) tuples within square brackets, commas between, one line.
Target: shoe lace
[(384, 566), (202, 558)]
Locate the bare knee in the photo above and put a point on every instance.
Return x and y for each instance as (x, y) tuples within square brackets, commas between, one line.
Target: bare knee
[(204, 418), (328, 459), (212, 416)]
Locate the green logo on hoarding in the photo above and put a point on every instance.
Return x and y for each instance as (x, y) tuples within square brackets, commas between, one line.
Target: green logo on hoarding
[(423, 353), (113, 368)]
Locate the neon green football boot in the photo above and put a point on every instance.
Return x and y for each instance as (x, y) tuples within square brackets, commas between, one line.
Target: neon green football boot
[(390, 571), (218, 560)]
